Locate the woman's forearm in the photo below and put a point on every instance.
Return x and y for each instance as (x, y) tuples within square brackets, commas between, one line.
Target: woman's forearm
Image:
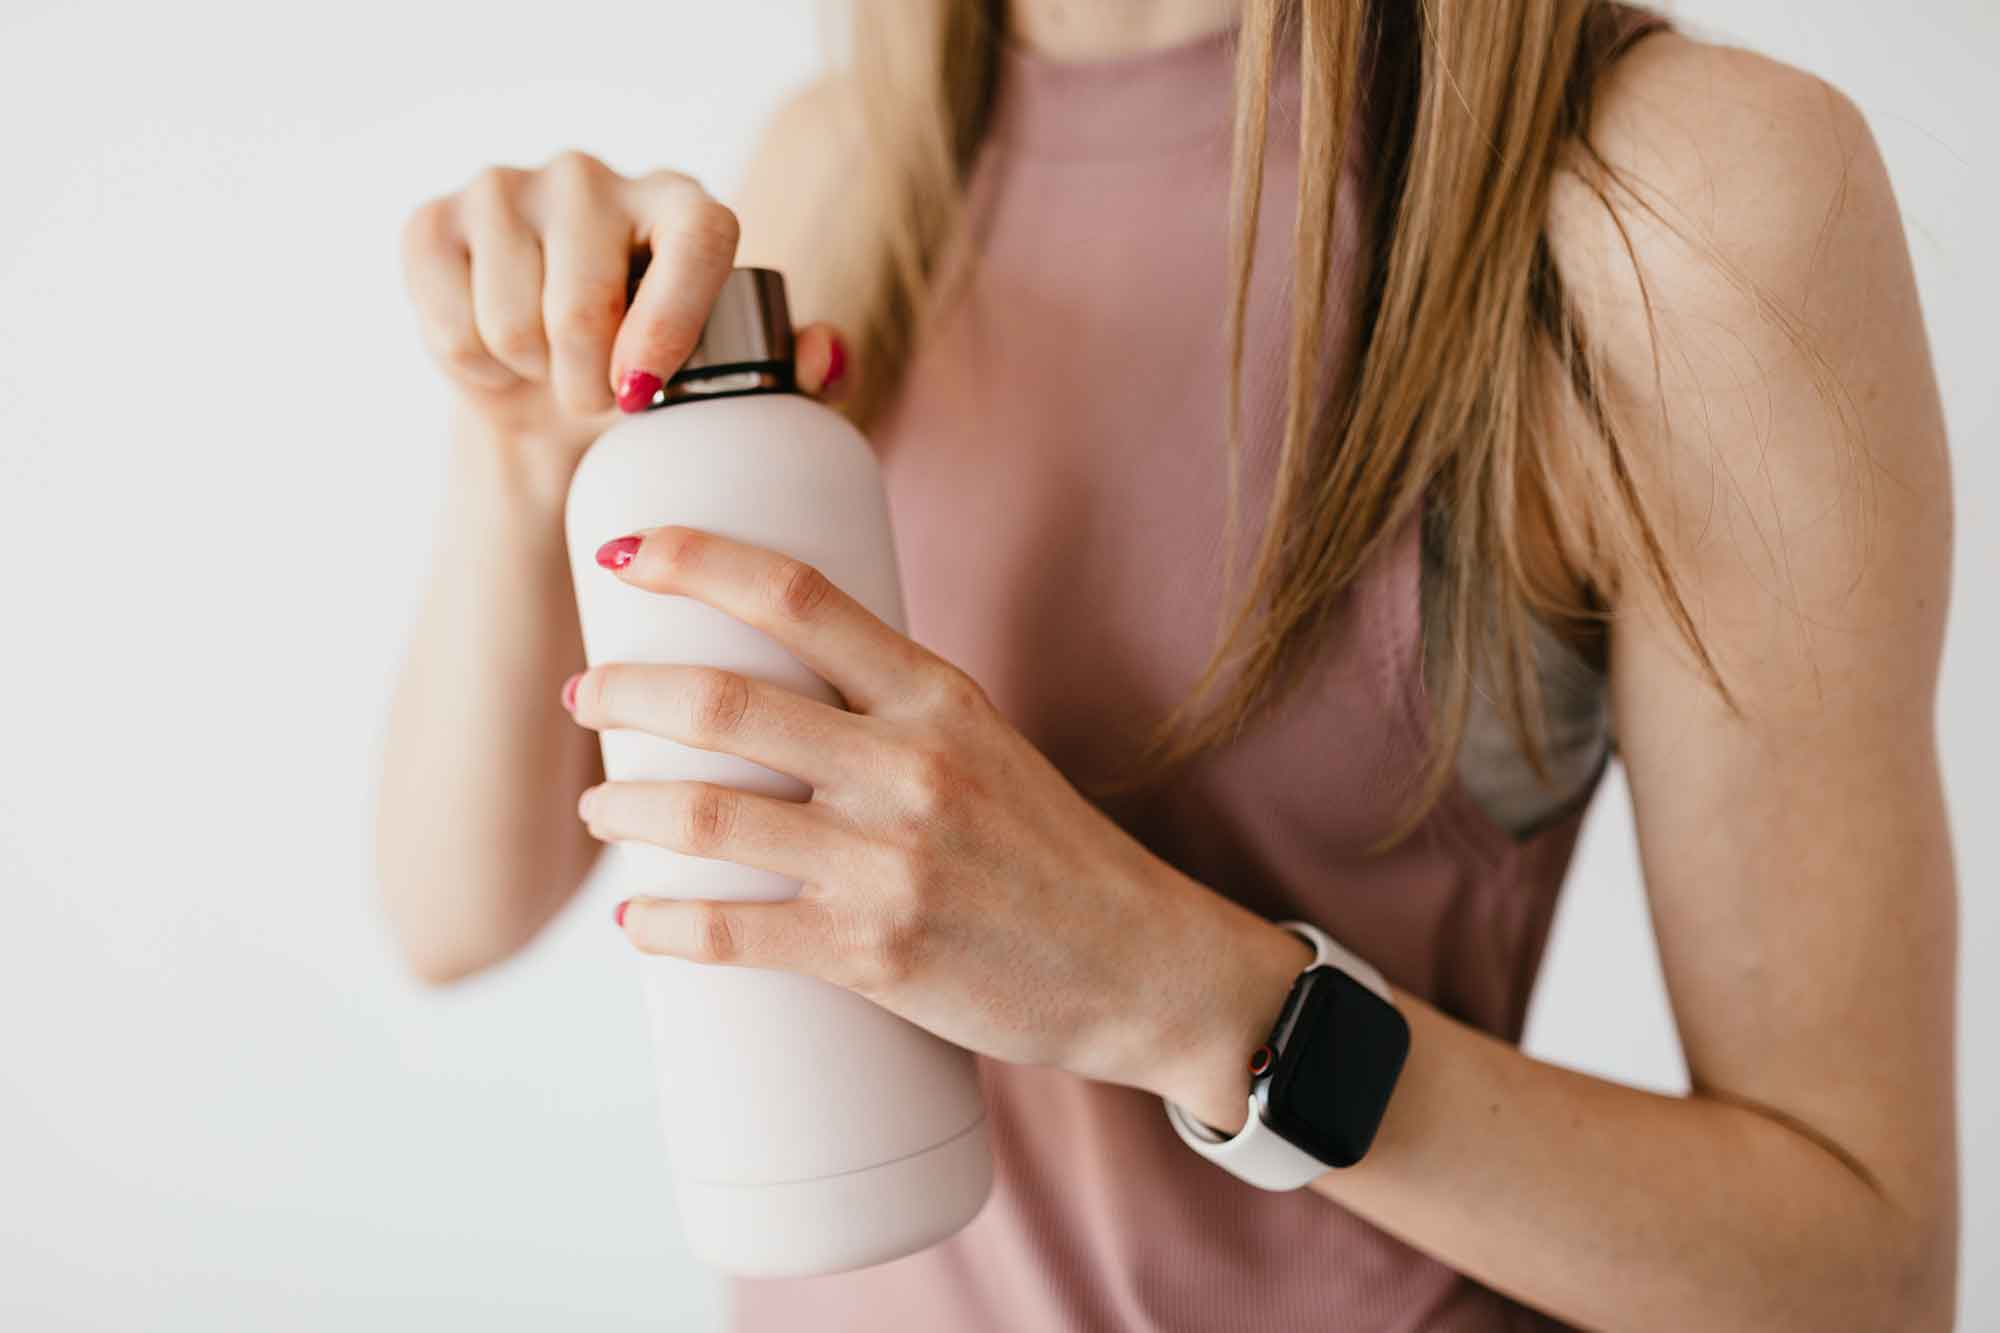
[(477, 840), (1610, 1207)]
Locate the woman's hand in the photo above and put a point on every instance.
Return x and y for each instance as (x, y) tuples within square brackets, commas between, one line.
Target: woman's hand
[(951, 874), (520, 282)]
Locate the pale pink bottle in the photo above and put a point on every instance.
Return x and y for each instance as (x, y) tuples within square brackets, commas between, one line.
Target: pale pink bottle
[(808, 1129)]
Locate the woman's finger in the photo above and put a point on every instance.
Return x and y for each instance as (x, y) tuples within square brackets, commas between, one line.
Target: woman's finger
[(437, 270), (838, 639), (506, 273), (586, 243), (693, 243), (795, 839), (723, 711), (821, 356), (796, 935)]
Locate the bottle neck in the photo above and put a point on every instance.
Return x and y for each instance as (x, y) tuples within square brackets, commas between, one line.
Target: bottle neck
[(732, 381)]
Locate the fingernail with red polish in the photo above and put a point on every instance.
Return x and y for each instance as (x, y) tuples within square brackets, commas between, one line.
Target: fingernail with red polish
[(619, 915), (635, 392), (836, 364), (569, 691), (618, 554)]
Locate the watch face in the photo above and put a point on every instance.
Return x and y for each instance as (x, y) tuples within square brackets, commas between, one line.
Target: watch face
[(1340, 1047)]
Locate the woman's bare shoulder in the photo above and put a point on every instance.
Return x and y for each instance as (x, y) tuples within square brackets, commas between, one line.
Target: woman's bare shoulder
[(801, 190), (1745, 245), (1744, 275), (1732, 171)]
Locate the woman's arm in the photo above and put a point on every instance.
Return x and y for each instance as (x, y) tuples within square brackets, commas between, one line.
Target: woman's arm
[(474, 845), (1795, 851), (519, 281)]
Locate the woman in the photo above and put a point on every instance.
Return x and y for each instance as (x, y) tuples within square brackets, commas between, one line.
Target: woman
[(1564, 379)]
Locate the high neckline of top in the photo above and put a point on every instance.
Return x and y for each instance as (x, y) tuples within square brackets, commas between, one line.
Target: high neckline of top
[(1175, 96)]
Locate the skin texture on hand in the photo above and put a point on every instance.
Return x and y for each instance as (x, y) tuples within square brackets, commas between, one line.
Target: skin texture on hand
[(951, 874)]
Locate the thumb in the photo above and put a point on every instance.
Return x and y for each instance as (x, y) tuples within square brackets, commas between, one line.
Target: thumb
[(821, 355)]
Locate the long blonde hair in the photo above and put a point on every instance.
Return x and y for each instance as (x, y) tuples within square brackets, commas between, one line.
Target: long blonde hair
[(1468, 348)]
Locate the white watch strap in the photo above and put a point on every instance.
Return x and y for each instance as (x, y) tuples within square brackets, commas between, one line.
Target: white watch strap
[(1327, 952), (1257, 1153)]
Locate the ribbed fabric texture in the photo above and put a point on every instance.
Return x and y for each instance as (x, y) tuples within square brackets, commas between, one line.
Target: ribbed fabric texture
[(1055, 466)]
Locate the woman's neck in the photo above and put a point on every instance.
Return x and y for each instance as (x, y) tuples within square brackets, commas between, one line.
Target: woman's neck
[(1107, 29)]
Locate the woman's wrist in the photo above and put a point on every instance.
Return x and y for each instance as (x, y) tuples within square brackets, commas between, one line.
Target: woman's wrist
[(1249, 974), (527, 469)]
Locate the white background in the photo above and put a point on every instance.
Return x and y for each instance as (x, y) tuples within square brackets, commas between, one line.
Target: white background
[(221, 1106)]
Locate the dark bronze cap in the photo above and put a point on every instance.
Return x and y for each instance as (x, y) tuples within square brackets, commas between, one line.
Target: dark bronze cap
[(748, 328), (745, 346)]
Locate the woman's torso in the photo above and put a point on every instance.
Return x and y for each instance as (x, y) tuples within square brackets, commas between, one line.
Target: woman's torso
[(1055, 464)]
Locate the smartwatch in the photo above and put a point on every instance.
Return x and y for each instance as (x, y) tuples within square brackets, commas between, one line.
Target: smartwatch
[(1320, 1082)]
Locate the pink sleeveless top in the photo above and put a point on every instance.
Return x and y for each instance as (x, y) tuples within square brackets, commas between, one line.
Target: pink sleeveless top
[(1055, 467)]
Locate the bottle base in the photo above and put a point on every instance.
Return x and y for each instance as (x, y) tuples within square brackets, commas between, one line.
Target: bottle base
[(805, 1228)]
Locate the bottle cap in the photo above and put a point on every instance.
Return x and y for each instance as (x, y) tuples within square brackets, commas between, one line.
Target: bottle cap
[(748, 327), (745, 346)]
